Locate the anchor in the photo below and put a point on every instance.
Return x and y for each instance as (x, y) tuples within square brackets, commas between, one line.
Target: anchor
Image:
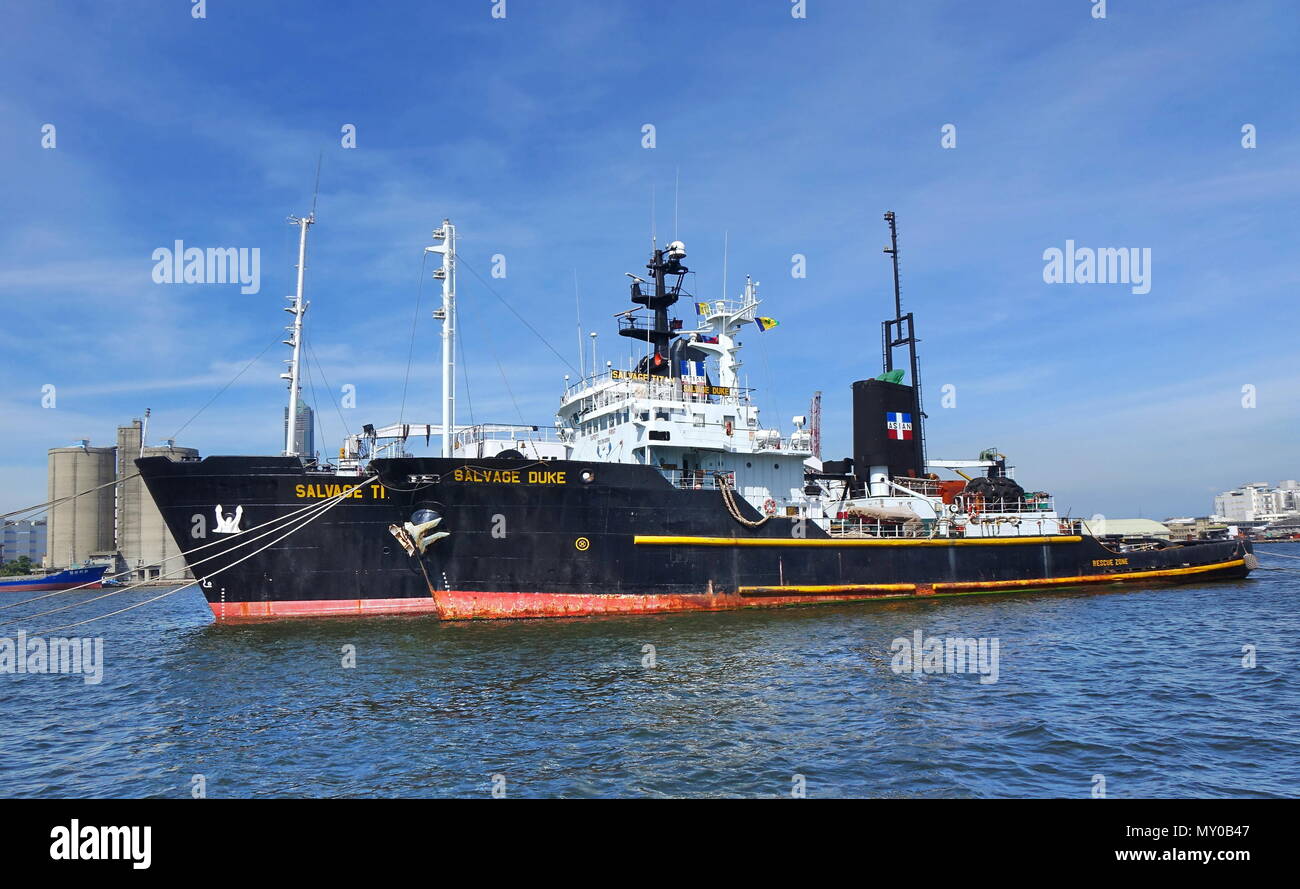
[(421, 537)]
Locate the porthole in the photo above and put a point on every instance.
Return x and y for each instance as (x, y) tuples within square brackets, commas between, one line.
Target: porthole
[(588, 476)]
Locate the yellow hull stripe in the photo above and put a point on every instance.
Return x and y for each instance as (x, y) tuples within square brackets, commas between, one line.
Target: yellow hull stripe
[(1087, 578), (828, 590), (922, 590), (835, 543)]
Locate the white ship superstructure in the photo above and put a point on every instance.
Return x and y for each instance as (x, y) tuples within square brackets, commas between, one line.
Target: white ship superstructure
[(678, 405)]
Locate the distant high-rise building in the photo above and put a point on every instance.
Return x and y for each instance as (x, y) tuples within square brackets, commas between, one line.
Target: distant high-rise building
[(23, 538), (1259, 502), (304, 437)]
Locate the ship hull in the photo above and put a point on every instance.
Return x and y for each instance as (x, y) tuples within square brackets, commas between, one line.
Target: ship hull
[(566, 539), (86, 578)]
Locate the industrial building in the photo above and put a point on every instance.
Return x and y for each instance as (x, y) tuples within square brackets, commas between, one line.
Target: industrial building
[(145, 544), (23, 537), (118, 522), (77, 528), (1198, 528)]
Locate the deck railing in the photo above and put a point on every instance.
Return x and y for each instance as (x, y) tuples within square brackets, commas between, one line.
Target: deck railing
[(696, 479), (876, 528)]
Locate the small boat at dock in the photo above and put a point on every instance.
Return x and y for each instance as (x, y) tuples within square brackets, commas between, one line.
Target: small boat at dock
[(89, 577)]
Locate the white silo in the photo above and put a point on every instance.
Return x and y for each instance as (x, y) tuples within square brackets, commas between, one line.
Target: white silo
[(83, 525)]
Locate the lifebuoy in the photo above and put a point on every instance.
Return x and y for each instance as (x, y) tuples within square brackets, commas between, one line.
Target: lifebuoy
[(769, 506)]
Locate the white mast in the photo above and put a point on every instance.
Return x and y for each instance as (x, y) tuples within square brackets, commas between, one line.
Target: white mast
[(447, 314), (725, 319), (297, 308)]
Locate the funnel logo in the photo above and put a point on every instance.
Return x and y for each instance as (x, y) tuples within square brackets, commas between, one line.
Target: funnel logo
[(899, 426)]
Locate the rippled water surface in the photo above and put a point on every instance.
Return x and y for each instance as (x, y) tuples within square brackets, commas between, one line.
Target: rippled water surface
[(1144, 686)]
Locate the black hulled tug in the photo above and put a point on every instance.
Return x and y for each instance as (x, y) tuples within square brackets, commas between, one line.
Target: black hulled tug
[(658, 488)]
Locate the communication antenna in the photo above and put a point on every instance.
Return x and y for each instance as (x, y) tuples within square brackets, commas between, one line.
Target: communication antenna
[(316, 191), (677, 188), (577, 310), (725, 245), (817, 425)]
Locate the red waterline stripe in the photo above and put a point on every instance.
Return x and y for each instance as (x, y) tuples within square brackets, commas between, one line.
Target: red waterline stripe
[(226, 611), (466, 605), (475, 605)]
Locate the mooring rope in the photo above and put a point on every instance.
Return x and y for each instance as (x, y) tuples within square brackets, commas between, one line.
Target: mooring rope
[(728, 497), (307, 520), (320, 509), (42, 507), (277, 520), (1269, 552)]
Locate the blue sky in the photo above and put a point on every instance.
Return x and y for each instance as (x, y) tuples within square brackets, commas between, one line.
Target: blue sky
[(792, 136)]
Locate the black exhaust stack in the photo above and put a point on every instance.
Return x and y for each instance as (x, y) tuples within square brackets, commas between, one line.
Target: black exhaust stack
[(888, 428)]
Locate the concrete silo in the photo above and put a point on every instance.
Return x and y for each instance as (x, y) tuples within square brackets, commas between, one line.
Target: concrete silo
[(82, 526), (143, 539)]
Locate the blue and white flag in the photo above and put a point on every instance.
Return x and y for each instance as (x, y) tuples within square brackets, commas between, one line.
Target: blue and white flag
[(692, 370)]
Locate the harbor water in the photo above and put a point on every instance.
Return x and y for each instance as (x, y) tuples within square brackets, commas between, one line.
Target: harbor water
[(1161, 691)]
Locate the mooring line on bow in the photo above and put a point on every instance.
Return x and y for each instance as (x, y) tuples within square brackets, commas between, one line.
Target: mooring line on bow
[(166, 574), (44, 507), (319, 509), (1269, 552), (329, 504)]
